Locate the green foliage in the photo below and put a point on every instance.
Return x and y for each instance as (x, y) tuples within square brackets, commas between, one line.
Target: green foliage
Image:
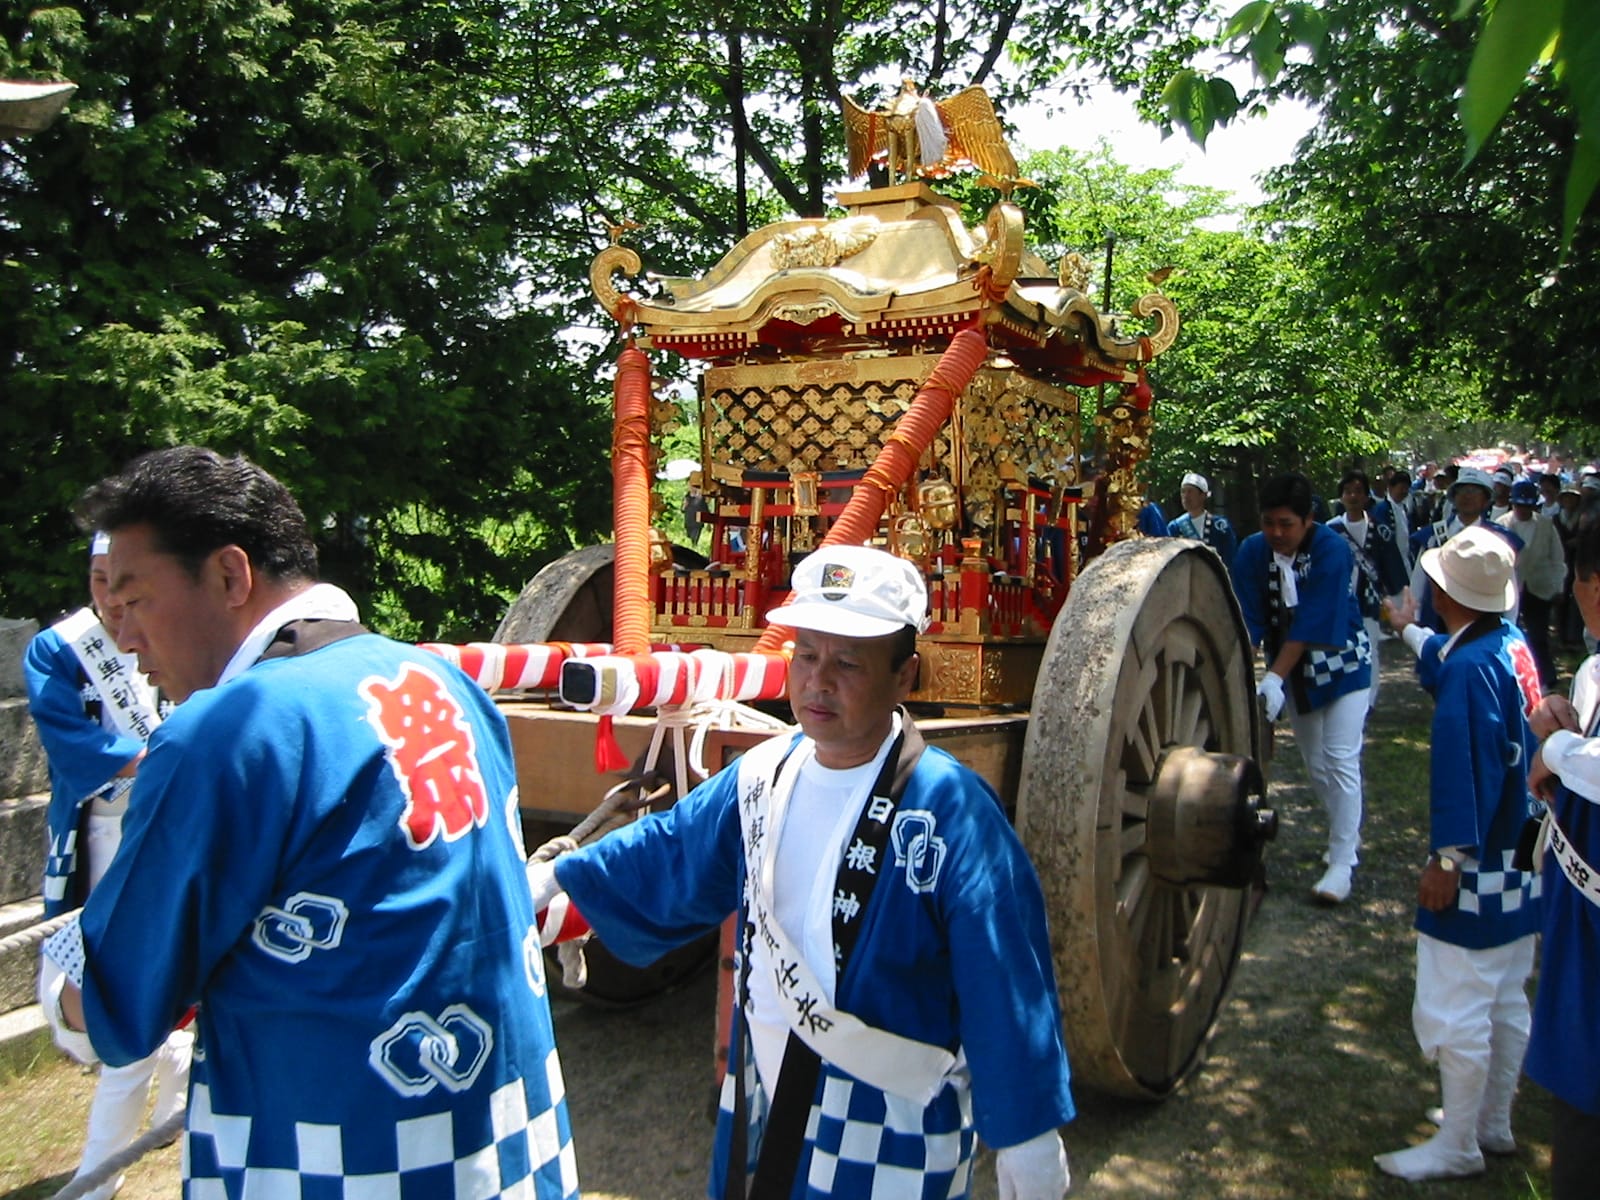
[(1452, 266), (300, 232), (1259, 377)]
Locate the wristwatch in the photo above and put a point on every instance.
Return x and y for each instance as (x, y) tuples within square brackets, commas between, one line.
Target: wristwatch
[(1447, 863)]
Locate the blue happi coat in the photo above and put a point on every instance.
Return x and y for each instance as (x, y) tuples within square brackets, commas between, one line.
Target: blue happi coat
[(1338, 660), (1380, 563), (1483, 690), (85, 753), (961, 961), (325, 855), (1564, 1055), (1219, 534)]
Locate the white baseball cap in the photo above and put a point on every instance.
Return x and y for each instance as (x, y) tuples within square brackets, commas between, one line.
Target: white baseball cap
[(1474, 476), (1197, 481), (1474, 568), (854, 591)]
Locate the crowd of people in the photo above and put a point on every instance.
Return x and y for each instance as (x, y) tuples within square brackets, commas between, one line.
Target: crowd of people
[(1476, 575), (298, 853)]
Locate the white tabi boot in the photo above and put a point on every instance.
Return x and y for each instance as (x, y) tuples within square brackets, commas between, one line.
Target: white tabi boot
[(1453, 1152), (1505, 1069)]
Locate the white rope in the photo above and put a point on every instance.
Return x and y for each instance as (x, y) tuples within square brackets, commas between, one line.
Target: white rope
[(153, 1138), (34, 934)]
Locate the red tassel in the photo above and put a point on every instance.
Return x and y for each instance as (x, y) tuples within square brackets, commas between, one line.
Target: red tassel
[(608, 755), (1141, 394)]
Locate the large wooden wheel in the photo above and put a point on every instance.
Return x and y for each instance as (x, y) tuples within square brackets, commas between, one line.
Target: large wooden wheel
[(570, 600), (1139, 804)]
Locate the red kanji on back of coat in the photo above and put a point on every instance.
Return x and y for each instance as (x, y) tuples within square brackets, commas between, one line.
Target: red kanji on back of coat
[(1527, 675), (432, 754)]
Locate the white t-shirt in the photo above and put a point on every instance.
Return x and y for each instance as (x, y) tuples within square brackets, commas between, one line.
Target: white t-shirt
[(821, 815)]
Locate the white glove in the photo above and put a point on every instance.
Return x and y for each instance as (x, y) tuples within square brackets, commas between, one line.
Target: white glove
[(544, 885), (52, 982), (1034, 1170), (1270, 689), (542, 871)]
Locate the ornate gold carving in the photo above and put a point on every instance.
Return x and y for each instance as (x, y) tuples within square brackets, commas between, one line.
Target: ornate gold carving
[(1074, 272), (606, 264), (917, 135), (806, 312), (1166, 314), (823, 245), (953, 672), (1002, 244)]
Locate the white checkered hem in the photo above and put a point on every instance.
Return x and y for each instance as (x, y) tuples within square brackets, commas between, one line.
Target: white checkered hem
[(1491, 891), (425, 1143)]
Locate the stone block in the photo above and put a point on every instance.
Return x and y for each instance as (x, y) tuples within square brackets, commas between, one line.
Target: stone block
[(19, 967), (24, 769), (14, 638), (22, 847)]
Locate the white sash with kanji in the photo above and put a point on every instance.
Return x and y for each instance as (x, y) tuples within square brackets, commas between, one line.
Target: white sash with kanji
[(126, 697), (887, 1061)]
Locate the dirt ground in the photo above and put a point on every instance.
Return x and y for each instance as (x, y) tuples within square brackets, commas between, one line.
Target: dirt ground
[(1311, 1070)]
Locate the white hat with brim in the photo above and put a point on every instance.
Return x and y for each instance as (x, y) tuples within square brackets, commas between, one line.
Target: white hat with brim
[(854, 592), (1475, 568), (1474, 477)]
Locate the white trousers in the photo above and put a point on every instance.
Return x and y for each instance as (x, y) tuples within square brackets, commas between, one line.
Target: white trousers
[(1465, 996), (117, 1109), (1375, 636), (1330, 743)]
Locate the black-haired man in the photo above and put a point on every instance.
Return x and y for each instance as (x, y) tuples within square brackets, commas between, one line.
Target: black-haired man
[(322, 851), (896, 992), (1295, 583)]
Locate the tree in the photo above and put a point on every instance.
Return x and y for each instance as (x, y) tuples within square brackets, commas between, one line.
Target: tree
[(1260, 378), (296, 233), (1453, 266)]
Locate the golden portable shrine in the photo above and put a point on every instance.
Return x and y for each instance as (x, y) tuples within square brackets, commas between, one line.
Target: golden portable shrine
[(892, 376)]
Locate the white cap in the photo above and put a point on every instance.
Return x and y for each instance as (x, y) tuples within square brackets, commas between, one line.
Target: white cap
[(1505, 473), (99, 543), (1474, 568), (854, 591), (1195, 481), (1473, 476)]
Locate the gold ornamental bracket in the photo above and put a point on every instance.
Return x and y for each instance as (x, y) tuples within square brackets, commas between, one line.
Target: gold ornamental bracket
[(1003, 248), (1154, 304), (606, 265)]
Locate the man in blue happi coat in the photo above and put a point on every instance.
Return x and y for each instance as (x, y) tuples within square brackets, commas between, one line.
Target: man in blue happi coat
[(1295, 583), (322, 852), (1477, 911), (1199, 523), (1564, 1055), (1470, 498), (895, 992), (94, 712), (1380, 566)]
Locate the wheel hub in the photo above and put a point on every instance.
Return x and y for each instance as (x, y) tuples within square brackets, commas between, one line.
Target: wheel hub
[(1207, 823)]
